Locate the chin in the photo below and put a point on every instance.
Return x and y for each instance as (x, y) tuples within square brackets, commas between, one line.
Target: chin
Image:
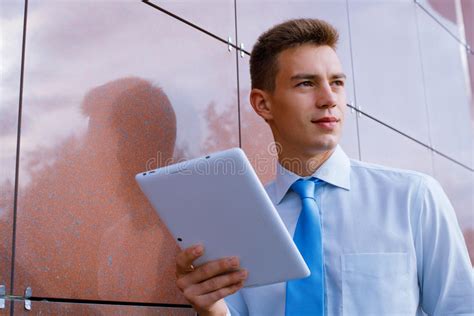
[(313, 150), (325, 144)]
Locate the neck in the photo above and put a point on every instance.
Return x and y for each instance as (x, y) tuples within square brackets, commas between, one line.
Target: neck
[(303, 164)]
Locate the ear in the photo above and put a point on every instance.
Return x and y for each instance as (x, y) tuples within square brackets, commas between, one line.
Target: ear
[(261, 103)]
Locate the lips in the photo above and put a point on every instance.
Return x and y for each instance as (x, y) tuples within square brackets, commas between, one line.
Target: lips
[(326, 119), (327, 123)]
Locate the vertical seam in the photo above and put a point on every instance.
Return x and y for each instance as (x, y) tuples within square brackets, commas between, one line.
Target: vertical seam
[(425, 97), (238, 73), (353, 79), (17, 162)]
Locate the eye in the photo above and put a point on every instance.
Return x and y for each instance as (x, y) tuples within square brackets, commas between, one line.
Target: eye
[(339, 83), (306, 83)]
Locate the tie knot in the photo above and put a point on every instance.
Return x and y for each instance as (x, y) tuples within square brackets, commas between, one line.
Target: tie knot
[(305, 188)]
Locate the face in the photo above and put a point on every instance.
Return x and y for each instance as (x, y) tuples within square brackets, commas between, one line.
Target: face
[(306, 109)]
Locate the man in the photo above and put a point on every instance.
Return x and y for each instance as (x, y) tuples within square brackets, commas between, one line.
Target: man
[(388, 239)]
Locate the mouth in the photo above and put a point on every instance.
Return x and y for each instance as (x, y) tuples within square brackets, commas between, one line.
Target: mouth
[(328, 122)]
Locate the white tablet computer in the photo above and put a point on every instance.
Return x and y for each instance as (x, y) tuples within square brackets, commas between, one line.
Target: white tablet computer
[(218, 201)]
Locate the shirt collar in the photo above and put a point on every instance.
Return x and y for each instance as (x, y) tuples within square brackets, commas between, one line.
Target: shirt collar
[(335, 170)]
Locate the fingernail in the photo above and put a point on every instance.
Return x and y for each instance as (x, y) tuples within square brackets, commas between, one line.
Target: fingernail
[(234, 262), (198, 250), (243, 274)]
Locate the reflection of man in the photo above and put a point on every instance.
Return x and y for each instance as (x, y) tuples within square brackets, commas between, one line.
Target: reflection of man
[(91, 194), (390, 242)]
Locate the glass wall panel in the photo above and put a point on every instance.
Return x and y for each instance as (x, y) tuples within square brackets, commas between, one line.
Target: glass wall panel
[(467, 8), (458, 183), (6, 310), (387, 68), (11, 32), (51, 308), (445, 13), (111, 89), (215, 16), (447, 90), (255, 17), (468, 19), (470, 61), (256, 136), (381, 145)]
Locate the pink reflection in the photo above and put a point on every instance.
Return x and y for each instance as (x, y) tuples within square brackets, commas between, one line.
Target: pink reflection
[(469, 238), (445, 8), (257, 139), (6, 224), (59, 309), (221, 128), (84, 228)]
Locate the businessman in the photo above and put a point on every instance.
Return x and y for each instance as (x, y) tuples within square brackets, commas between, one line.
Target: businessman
[(378, 240)]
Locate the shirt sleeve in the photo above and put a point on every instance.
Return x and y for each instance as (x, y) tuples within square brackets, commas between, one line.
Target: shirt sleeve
[(445, 273), (236, 305)]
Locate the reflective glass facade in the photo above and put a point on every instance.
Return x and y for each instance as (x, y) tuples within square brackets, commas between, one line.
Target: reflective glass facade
[(93, 92)]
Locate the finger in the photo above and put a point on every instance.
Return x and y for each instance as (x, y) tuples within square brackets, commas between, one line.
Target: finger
[(185, 258), (210, 298), (213, 268), (207, 271), (218, 282)]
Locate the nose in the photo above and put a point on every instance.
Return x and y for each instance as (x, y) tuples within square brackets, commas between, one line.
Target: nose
[(327, 97)]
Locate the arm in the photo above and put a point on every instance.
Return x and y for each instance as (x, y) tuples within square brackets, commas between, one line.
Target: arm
[(206, 286), (445, 274)]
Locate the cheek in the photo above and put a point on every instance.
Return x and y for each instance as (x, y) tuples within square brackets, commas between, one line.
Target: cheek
[(342, 107), (343, 112), (286, 109)]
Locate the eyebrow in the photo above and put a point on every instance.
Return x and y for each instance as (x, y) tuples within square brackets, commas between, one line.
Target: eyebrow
[(317, 77)]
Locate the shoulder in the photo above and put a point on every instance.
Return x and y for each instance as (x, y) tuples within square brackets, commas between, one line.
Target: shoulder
[(384, 173), (388, 178)]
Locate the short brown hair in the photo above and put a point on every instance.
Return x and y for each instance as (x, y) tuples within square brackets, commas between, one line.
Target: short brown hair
[(292, 33)]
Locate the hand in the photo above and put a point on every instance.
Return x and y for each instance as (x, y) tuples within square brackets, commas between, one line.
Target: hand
[(206, 286)]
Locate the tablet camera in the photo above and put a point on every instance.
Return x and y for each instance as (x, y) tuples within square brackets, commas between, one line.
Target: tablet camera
[(180, 239)]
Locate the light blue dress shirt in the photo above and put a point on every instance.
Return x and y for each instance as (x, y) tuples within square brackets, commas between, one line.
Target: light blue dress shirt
[(391, 242)]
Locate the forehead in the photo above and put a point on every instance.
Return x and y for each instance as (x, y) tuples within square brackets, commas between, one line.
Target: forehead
[(308, 58)]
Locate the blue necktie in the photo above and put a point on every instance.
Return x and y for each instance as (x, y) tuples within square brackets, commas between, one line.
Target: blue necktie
[(306, 296)]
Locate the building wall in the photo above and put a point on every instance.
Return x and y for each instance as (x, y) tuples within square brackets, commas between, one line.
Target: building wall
[(106, 89)]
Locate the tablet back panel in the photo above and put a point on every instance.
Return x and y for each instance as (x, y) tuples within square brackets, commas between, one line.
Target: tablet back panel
[(219, 201)]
